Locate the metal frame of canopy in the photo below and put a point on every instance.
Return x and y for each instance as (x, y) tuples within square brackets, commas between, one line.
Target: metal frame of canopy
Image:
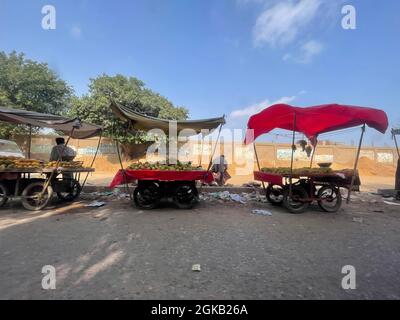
[(294, 130), (140, 121), (396, 132), (73, 128)]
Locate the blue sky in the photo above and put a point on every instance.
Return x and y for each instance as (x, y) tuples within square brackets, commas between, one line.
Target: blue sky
[(218, 57)]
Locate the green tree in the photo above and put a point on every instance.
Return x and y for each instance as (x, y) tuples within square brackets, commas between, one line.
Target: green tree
[(129, 91), (30, 85)]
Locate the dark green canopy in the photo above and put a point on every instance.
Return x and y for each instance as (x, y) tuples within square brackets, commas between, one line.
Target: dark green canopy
[(142, 122), (82, 130)]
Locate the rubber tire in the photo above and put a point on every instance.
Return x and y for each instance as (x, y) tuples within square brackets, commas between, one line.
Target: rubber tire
[(25, 192), (4, 195), (137, 201), (73, 196), (338, 196), (268, 193), (300, 192), (191, 201)]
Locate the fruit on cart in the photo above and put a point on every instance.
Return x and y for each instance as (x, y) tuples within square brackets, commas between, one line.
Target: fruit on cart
[(179, 166), (305, 171), (64, 164), (19, 163)]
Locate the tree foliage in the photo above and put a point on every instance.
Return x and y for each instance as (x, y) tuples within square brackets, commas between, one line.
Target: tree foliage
[(30, 85), (129, 91)]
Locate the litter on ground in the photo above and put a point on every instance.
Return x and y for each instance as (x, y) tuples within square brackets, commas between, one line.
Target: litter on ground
[(95, 204), (392, 203), (196, 267), (260, 212)]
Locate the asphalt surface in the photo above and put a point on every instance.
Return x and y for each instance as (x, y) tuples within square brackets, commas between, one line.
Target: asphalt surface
[(120, 252)]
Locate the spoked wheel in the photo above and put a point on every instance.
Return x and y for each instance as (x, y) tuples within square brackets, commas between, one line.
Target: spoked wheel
[(329, 198), (186, 196), (3, 194), (296, 203), (72, 191), (147, 196), (274, 194), (32, 197)]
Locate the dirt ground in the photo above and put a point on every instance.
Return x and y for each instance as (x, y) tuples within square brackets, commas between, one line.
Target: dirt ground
[(120, 252)]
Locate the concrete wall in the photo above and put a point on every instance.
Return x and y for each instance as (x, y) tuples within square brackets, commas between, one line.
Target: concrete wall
[(241, 158)]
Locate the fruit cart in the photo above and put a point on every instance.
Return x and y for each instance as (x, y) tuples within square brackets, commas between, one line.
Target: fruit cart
[(33, 181), (155, 185), (175, 180), (296, 189), (27, 184)]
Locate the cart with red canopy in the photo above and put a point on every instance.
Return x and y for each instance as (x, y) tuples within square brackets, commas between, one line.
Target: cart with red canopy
[(296, 189)]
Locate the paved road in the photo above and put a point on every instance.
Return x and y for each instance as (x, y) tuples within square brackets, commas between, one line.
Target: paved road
[(119, 252)]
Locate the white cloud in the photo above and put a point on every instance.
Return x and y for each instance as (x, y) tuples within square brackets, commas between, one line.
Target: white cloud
[(76, 32), (309, 50), (306, 53), (255, 108), (279, 24)]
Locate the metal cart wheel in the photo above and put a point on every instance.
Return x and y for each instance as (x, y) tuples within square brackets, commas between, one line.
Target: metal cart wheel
[(147, 195), (186, 196), (3, 195), (274, 194), (72, 192), (329, 198), (294, 204), (31, 199)]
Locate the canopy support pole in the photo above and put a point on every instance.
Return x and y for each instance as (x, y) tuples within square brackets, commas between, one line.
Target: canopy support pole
[(353, 178), (258, 166), (396, 144), (292, 157), (94, 158), (122, 169), (201, 150), (312, 156), (30, 141), (215, 148)]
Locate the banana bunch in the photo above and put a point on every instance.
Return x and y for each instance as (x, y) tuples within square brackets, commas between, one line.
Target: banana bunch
[(19, 163), (179, 166), (305, 171), (65, 164)]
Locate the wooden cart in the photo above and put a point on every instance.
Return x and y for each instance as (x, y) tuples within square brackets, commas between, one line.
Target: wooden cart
[(305, 188), (156, 185), (298, 191), (35, 186)]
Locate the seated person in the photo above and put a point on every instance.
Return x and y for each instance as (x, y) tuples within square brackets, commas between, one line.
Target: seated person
[(220, 170)]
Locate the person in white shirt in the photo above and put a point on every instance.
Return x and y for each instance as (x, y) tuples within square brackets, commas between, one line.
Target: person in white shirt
[(61, 151)]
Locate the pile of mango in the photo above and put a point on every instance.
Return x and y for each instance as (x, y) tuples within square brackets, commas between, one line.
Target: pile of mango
[(179, 166), (19, 163), (305, 171), (65, 164)]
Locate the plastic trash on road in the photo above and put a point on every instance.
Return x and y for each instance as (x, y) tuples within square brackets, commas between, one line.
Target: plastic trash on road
[(260, 212)]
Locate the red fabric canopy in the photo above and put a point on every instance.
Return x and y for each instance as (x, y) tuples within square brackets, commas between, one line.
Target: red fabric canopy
[(315, 120), (162, 175)]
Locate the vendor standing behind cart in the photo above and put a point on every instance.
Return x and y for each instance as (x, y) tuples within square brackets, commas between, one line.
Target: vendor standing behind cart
[(61, 151)]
